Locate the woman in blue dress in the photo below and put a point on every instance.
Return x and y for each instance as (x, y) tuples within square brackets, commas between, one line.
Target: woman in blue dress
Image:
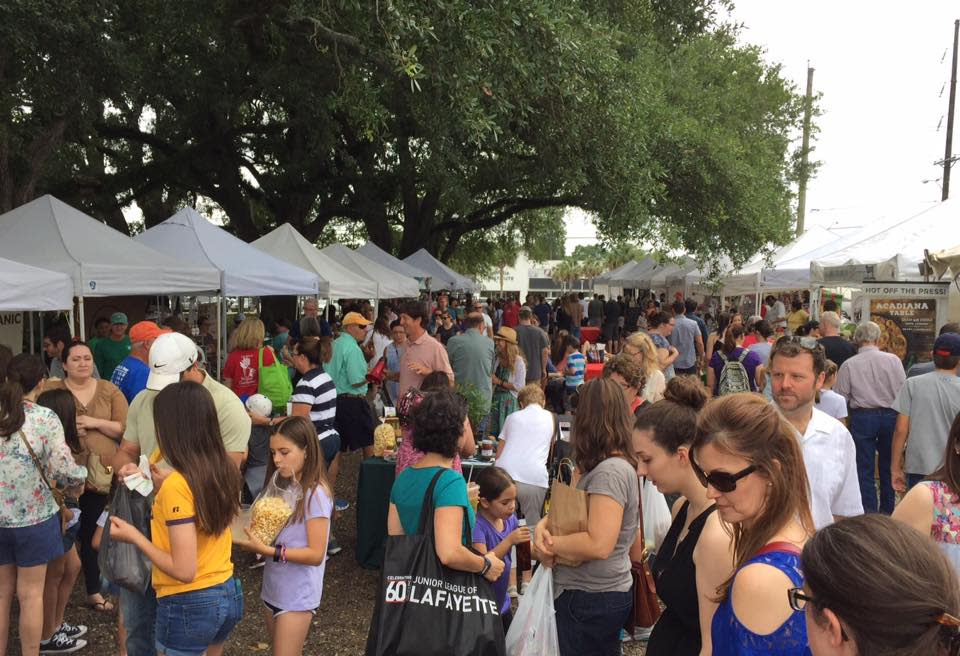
[(749, 459)]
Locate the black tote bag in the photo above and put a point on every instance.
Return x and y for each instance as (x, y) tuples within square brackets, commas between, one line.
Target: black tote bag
[(426, 609)]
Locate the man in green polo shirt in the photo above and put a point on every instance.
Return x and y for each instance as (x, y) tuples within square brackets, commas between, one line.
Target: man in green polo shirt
[(110, 351), (348, 369)]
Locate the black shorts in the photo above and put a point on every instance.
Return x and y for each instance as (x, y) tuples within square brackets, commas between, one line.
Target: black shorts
[(277, 612), (610, 332), (354, 423)]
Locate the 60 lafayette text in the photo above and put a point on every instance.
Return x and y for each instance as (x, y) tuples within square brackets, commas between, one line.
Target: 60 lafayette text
[(434, 592)]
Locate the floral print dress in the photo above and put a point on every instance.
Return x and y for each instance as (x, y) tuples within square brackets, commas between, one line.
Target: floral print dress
[(945, 526)]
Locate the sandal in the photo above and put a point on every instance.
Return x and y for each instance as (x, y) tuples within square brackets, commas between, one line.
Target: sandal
[(102, 606)]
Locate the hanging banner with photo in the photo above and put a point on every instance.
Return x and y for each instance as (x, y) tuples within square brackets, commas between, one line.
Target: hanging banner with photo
[(909, 316), (11, 330)]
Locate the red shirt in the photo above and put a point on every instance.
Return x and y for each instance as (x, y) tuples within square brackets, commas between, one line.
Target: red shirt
[(749, 341), (511, 315), (242, 370)]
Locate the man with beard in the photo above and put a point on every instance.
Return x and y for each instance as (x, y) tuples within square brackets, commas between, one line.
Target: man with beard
[(797, 372)]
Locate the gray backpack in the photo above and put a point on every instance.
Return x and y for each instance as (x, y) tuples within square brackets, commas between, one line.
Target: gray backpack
[(733, 376)]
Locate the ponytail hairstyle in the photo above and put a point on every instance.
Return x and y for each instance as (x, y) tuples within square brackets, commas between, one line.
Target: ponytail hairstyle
[(64, 405), (894, 591), (303, 434), (24, 373), (493, 481), (672, 421), (734, 332), (188, 433), (748, 426)]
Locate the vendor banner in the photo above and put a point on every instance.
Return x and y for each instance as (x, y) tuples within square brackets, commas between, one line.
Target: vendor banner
[(11, 330), (909, 316)]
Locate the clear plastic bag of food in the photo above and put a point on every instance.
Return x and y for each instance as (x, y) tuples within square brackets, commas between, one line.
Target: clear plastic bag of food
[(273, 507)]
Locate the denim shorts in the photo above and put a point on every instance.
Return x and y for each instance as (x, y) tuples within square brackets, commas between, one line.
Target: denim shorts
[(189, 622), (29, 546)]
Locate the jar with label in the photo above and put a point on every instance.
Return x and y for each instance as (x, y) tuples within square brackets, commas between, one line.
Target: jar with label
[(486, 449)]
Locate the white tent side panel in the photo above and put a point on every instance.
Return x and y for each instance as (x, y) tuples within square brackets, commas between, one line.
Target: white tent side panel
[(28, 288)]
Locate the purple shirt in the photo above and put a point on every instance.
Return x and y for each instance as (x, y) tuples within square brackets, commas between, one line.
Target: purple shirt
[(484, 532), (750, 363), (291, 586)]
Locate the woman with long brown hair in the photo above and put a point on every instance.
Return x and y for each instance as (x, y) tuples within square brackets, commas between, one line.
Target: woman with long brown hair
[(748, 457), (594, 598), (198, 599), (875, 587), (293, 582), (29, 519), (933, 506), (508, 378)]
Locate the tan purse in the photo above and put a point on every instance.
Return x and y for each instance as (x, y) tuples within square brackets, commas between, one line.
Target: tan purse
[(646, 604), (65, 513)]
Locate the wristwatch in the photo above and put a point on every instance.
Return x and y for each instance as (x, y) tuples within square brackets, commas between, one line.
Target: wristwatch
[(486, 566)]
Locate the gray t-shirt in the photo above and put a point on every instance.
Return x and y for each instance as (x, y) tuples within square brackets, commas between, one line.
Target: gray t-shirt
[(932, 402), (532, 341), (614, 478)]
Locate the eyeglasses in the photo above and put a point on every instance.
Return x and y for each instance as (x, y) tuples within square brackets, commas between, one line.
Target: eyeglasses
[(798, 602), (721, 481), (809, 343)]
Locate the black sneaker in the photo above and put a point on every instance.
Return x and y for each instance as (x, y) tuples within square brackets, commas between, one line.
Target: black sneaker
[(72, 631), (333, 547), (60, 643)]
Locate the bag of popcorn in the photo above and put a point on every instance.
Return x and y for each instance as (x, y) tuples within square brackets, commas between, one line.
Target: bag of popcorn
[(273, 507)]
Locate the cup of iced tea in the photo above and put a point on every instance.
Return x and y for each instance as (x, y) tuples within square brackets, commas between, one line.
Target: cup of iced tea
[(473, 494)]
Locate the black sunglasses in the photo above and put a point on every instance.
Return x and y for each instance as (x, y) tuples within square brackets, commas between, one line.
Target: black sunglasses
[(805, 341), (721, 481), (798, 602)]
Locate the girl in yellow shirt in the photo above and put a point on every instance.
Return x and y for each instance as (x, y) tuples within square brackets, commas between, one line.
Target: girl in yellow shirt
[(190, 530)]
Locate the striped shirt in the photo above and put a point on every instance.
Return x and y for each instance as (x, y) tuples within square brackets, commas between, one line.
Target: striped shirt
[(316, 389)]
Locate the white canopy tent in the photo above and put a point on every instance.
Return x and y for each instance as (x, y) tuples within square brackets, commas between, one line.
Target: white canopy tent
[(893, 252), (659, 277), (946, 260), (100, 261), (50, 234), (390, 284), (787, 268), (442, 276), (385, 259), (244, 270), (29, 288), (631, 274), (337, 281)]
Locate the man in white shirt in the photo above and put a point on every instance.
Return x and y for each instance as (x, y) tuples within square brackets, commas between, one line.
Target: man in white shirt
[(796, 372), (776, 313)]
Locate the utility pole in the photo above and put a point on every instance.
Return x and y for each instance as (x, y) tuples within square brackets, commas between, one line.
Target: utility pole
[(805, 153), (948, 151)]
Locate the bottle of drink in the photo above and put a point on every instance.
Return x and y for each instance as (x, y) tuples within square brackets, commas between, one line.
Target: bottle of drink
[(523, 549)]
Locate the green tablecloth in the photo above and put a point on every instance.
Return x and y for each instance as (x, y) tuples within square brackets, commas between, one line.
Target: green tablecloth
[(373, 504)]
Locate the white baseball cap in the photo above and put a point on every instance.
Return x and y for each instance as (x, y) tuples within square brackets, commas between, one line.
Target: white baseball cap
[(260, 405), (170, 356)]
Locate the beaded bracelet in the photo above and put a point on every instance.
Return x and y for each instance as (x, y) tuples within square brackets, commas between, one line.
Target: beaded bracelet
[(283, 553)]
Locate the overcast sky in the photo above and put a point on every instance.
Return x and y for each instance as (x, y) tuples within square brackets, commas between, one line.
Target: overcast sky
[(883, 70)]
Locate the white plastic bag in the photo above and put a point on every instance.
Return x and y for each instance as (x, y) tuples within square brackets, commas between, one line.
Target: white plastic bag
[(533, 631), (656, 516)]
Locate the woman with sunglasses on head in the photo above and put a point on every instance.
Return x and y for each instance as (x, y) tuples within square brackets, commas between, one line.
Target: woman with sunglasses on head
[(696, 556), (933, 506), (595, 597), (875, 587), (748, 457)]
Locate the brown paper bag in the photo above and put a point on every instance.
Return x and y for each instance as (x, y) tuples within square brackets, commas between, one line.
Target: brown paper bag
[(568, 513)]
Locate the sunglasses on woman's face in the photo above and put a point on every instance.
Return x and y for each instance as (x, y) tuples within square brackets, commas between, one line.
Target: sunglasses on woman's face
[(721, 481)]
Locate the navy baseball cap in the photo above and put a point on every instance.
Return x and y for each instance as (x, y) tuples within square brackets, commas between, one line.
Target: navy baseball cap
[(947, 344)]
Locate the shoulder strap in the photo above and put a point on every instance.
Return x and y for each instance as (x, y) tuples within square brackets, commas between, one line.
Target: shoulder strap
[(426, 510), (743, 356), (36, 461), (773, 547), (722, 356), (553, 442)]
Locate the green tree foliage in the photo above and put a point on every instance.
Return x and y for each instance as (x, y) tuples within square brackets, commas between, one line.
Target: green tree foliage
[(443, 124)]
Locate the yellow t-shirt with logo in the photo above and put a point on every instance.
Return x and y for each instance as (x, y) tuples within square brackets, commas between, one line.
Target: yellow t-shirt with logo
[(174, 505)]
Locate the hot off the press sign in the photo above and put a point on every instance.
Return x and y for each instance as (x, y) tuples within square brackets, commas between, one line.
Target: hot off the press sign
[(437, 593)]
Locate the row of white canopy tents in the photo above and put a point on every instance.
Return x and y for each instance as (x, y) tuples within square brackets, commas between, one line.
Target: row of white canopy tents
[(428, 270), (55, 252), (892, 250)]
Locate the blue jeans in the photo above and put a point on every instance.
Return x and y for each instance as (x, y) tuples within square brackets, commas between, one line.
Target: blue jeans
[(189, 622), (913, 480), (139, 618), (872, 432), (589, 623)]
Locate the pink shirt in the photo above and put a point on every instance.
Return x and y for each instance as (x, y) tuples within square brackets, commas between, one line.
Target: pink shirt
[(428, 351)]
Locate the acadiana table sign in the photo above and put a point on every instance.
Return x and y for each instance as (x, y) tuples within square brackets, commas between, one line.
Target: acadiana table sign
[(909, 316)]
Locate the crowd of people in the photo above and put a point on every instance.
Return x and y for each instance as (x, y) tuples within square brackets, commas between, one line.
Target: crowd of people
[(769, 437)]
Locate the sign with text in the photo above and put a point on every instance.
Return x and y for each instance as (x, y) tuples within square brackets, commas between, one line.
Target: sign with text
[(909, 316), (11, 330)]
